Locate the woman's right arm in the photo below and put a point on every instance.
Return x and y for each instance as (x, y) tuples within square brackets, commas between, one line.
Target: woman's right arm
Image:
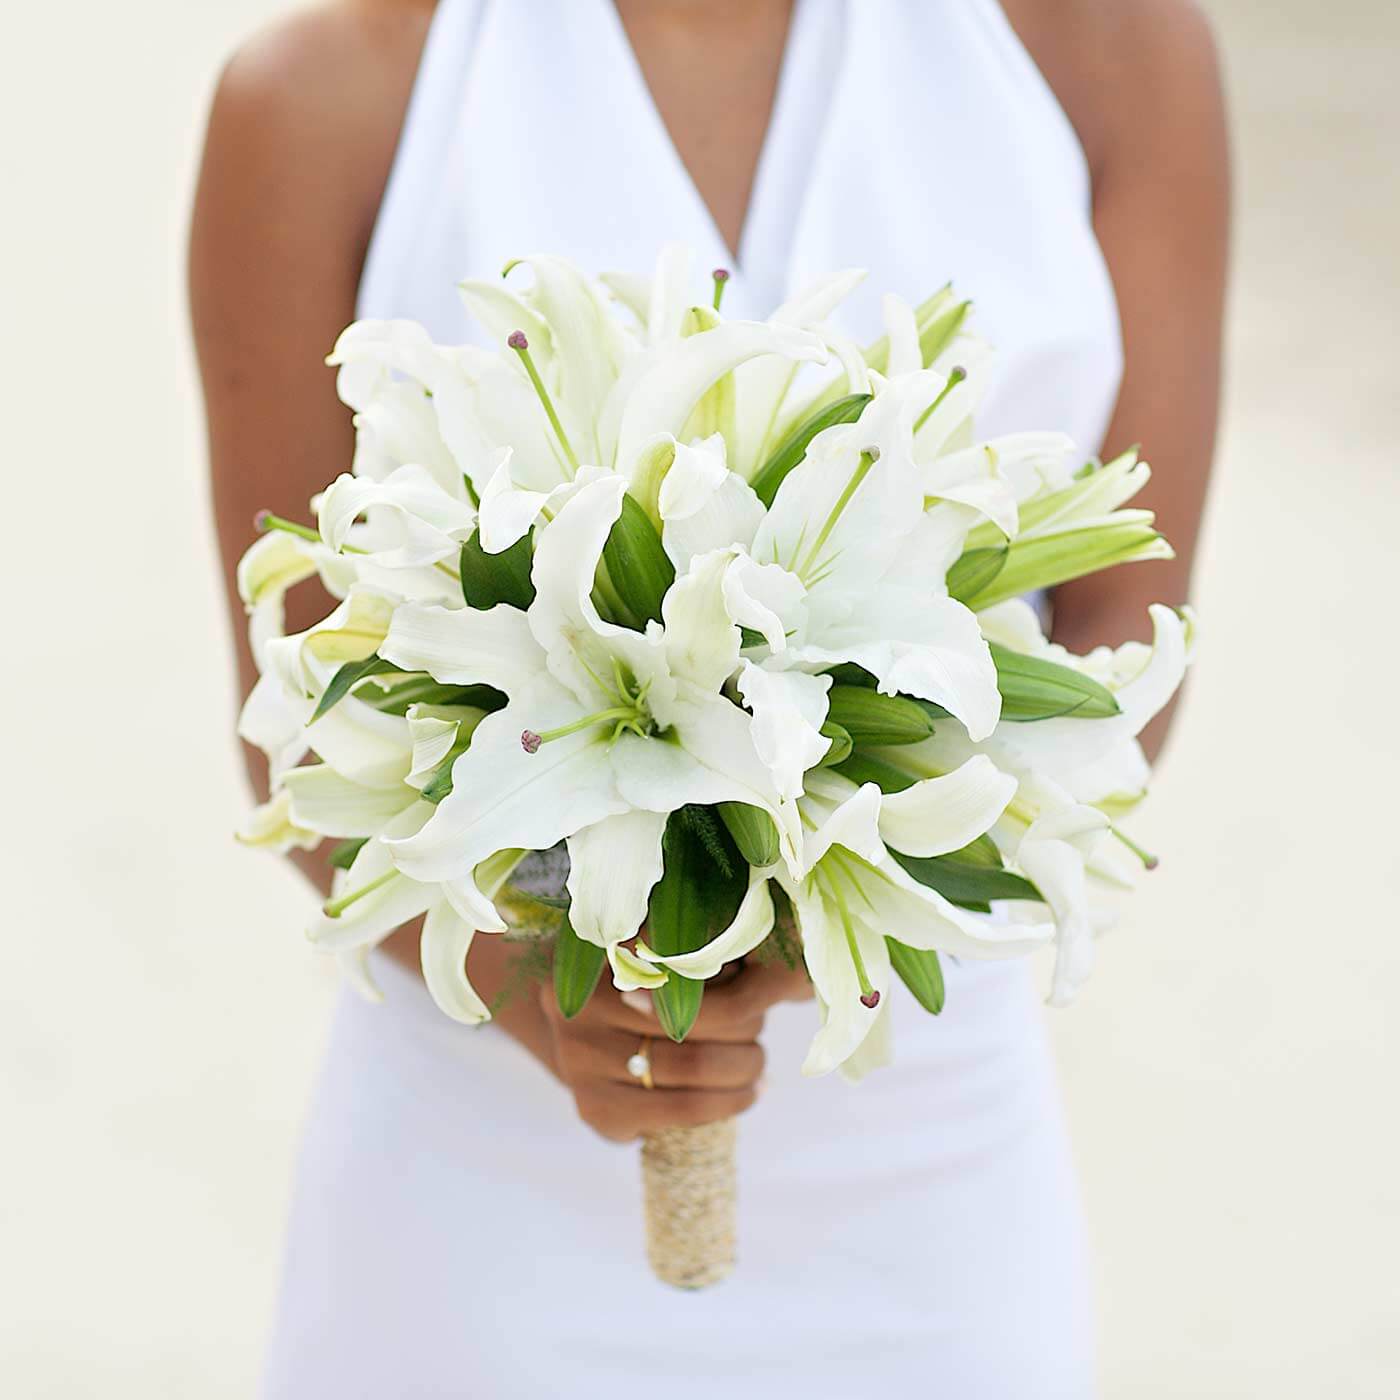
[(300, 140)]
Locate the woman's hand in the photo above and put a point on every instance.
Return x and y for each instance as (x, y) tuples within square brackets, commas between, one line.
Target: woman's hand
[(715, 1073)]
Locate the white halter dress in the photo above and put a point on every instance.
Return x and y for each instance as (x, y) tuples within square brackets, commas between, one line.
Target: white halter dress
[(455, 1230)]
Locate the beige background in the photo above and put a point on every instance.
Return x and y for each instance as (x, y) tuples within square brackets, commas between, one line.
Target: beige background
[(1231, 1074)]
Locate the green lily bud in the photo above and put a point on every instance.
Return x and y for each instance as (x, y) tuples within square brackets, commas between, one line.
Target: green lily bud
[(577, 966), (937, 334), (754, 832), (1033, 688), (1046, 560), (920, 971), (636, 564), (875, 719), (975, 571)]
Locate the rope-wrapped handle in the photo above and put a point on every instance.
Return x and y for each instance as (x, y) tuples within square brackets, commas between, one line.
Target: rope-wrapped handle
[(689, 1184)]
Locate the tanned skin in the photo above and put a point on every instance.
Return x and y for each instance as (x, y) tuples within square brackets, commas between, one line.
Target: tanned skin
[(301, 136)]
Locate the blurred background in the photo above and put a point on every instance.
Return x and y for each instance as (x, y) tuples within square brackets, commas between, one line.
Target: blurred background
[(1231, 1073)]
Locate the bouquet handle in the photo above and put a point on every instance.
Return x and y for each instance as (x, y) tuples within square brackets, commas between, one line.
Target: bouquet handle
[(689, 1188)]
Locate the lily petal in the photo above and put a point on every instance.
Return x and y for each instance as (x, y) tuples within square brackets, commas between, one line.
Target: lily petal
[(752, 923), (945, 814), (661, 400), (324, 801), (789, 709), (928, 647), (613, 865), (630, 973), (444, 946), (465, 646), (504, 797)]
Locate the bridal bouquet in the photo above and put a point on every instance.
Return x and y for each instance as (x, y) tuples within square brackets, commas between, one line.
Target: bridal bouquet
[(747, 639)]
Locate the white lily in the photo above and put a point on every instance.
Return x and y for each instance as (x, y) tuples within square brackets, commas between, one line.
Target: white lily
[(606, 728), (269, 826), (1072, 774), (274, 563), (478, 403), (373, 898), (842, 525), (852, 894), (408, 544)]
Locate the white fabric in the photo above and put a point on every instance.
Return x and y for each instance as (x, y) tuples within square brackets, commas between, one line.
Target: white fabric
[(455, 1230)]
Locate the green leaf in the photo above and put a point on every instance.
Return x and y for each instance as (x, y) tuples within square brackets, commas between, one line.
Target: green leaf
[(753, 830), (577, 966), (1033, 688), (424, 690), (346, 678), (343, 856), (982, 853), (865, 768), (875, 719), (841, 745), (966, 884), (975, 571), (920, 971), (488, 579), (637, 567), (694, 900), (775, 470)]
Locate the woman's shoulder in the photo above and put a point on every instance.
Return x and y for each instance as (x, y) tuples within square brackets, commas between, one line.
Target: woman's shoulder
[(1115, 68), (328, 47), (315, 101)]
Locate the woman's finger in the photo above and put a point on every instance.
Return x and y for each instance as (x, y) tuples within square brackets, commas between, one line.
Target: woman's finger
[(621, 1112), (706, 1064), (744, 999)]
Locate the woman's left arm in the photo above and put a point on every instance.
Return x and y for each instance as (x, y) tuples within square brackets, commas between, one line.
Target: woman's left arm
[(1151, 111)]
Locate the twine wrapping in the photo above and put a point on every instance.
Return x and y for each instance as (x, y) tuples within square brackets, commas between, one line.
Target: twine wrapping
[(689, 1185)]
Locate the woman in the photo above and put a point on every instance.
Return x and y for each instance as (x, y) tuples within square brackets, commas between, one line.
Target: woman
[(456, 1231)]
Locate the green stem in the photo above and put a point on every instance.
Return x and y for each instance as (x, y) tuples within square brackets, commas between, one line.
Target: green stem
[(265, 520), (868, 995), (954, 379), (1149, 861), (721, 277), (521, 346), (334, 908), (532, 741), (867, 460)]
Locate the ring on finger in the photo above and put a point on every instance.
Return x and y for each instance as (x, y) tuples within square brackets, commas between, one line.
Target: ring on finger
[(639, 1064)]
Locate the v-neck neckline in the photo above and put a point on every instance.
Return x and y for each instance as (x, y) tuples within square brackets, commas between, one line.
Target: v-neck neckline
[(741, 259)]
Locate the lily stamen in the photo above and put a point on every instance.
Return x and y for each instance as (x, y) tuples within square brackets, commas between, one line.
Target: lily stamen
[(264, 521), (1149, 861), (868, 458), (956, 377), (721, 278), (334, 908), (624, 716), (868, 995), (517, 342)]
